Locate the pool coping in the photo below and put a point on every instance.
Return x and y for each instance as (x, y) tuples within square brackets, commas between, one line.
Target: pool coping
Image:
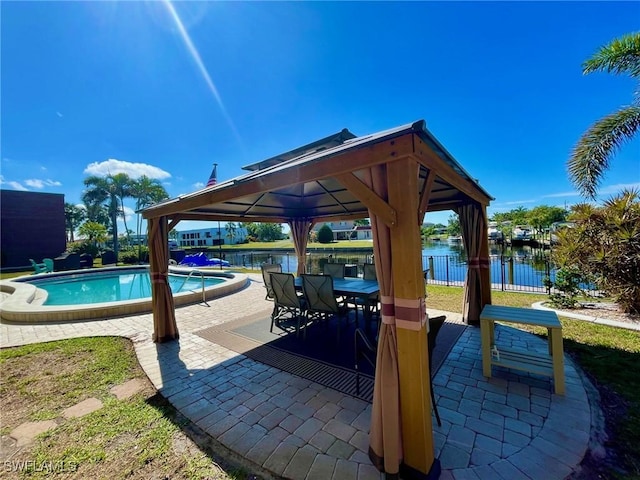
[(22, 302)]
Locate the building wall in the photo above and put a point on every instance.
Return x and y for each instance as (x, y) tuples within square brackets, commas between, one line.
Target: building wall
[(341, 225), (32, 225), (346, 230), (209, 237)]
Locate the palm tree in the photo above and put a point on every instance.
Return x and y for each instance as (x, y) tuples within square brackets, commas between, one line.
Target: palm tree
[(122, 183), (592, 154), (146, 192), (73, 215), (97, 212), (95, 233), (231, 229), (107, 190)]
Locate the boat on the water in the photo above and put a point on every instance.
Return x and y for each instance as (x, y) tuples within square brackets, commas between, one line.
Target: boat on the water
[(522, 233), (493, 233), (454, 240), (201, 260)]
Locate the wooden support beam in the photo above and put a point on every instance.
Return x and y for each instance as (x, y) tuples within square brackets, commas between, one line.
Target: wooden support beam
[(408, 284), (343, 162), (485, 273), (429, 159), (367, 196), (172, 224), (424, 195), (207, 217)]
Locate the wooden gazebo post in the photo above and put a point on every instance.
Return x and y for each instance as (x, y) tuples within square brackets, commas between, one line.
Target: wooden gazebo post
[(411, 326), (485, 271)]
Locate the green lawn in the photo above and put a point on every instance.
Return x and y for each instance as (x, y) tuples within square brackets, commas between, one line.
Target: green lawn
[(609, 356), (138, 437), (288, 243)]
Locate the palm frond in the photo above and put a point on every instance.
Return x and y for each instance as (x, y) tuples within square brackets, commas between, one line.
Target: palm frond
[(591, 155), (622, 55)]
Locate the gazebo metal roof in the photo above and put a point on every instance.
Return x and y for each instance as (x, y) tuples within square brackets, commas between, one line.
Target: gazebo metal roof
[(394, 177), (297, 184)]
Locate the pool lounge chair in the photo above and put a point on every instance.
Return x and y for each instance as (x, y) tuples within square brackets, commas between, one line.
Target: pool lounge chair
[(48, 264), (38, 267)]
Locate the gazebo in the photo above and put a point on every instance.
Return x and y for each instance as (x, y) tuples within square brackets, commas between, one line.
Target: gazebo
[(392, 177)]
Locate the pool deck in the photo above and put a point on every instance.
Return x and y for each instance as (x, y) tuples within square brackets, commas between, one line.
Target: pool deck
[(510, 426)]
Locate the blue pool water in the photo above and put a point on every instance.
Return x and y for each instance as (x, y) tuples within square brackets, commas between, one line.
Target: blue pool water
[(78, 289)]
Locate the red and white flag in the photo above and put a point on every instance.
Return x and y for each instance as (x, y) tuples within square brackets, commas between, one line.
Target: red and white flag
[(213, 178)]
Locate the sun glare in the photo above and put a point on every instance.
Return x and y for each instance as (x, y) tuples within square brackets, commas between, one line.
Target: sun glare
[(195, 55)]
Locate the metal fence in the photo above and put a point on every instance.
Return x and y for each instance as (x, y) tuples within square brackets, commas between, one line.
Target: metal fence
[(508, 272)]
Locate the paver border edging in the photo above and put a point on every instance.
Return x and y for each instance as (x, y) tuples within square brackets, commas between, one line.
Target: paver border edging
[(587, 318)]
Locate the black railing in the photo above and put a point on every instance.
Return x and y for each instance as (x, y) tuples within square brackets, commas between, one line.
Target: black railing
[(517, 273), (524, 273)]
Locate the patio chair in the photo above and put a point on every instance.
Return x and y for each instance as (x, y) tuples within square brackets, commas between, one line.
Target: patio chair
[(38, 267), (321, 300), (267, 268), (371, 304), (288, 305), (369, 272), (435, 324), (48, 264), (336, 270), (367, 350), (364, 349)]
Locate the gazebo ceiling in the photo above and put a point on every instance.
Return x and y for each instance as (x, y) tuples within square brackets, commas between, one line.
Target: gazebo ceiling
[(323, 181)]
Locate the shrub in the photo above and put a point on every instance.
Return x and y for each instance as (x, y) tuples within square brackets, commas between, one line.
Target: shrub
[(84, 246), (130, 256), (605, 245), (567, 286), (325, 234)]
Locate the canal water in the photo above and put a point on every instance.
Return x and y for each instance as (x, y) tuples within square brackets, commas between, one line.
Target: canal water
[(519, 268)]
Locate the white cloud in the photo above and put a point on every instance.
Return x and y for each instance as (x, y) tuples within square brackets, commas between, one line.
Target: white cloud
[(134, 170), (198, 185), (614, 189), (13, 185), (37, 183), (562, 194), (515, 202)]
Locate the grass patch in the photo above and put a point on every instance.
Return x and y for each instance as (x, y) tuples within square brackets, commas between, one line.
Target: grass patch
[(65, 372), (610, 357), (10, 275), (288, 243), (446, 298), (62, 373), (136, 438)]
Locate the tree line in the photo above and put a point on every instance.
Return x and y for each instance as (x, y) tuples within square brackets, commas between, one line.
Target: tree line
[(103, 203)]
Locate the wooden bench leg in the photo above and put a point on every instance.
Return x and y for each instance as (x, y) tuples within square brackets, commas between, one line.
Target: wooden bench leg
[(557, 353), (486, 341)]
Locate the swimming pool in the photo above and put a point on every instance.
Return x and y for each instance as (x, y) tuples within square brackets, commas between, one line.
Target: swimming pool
[(105, 292), (113, 286)]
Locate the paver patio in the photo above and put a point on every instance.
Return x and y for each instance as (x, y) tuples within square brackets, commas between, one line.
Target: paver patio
[(509, 426)]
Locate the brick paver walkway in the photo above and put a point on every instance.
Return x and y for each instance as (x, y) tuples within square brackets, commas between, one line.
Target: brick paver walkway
[(508, 427)]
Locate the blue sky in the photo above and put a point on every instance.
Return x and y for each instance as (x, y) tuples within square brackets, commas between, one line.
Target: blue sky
[(167, 89)]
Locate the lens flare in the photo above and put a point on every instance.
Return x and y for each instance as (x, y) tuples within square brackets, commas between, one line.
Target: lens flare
[(195, 55)]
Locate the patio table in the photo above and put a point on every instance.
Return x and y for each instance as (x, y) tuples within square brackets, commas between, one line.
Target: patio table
[(551, 364), (350, 287)]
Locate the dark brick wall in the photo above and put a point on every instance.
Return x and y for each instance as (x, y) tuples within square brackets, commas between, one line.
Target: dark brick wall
[(32, 225)]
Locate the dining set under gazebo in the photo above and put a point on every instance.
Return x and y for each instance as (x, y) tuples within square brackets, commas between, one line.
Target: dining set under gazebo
[(394, 178)]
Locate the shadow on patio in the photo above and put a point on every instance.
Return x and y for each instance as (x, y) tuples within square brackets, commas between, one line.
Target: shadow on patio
[(508, 426)]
